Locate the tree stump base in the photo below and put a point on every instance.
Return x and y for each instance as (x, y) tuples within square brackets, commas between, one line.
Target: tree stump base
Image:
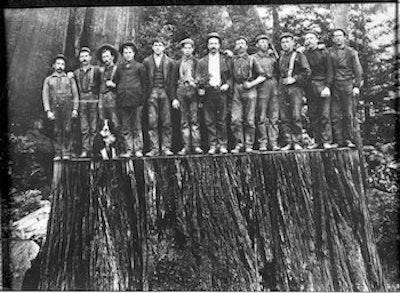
[(294, 220)]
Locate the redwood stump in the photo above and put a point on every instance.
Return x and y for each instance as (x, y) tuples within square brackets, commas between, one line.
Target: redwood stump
[(294, 220)]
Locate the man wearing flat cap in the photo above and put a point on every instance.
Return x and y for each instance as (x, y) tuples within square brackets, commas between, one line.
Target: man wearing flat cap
[(108, 56), (267, 114), (160, 75), (294, 71), (88, 79), (214, 79), (131, 82), (247, 74), (186, 98), (317, 90), (61, 102), (347, 77)]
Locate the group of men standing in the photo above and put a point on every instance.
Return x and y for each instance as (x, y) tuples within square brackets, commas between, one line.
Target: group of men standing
[(264, 89)]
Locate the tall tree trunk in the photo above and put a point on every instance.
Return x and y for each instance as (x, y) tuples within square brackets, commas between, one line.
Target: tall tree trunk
[(341, 15), (35, 36), (274, 221)]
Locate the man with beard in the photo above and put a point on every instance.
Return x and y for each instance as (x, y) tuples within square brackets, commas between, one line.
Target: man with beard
[(347, 75), (214, 77), (317, 90), (247, 74), (88, 80), (60, 101), (294, 71), (267, 96), (186, 98), (108, 55), (160, 76), (130, 79)]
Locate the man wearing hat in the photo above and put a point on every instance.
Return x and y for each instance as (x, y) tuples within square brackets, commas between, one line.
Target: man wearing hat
[(294, 71), (214, 78), (88, 78), (317, 90), (267, 113), (130, 79), (161, 92), (60, 101), (186, 98), (247, 74), (347, 77), (108, 56)]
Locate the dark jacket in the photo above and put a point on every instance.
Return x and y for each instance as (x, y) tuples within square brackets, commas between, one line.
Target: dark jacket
[(321, 65), (89, 81), (346, 64), (168, 71), (225, 67), (131, 81), (301, 71)]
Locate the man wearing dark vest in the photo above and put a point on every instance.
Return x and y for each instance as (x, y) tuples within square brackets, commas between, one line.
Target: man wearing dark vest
[(317, 90), (294, 71), (60, 102), (108, 56), (347, 76), (247, 74), (214, 78), (187, 99), (160, 75), (131, 80), (88, 79)]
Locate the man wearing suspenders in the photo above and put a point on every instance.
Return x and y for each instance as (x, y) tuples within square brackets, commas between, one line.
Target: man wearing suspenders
[(108, 56), (88, 80), (294, 70), (247, 73), (60, 102)]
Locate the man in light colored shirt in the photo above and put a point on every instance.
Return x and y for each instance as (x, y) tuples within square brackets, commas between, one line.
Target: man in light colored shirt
[(213, 76)]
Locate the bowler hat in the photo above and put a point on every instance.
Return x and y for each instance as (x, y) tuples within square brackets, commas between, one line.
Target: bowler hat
[(85, 49), (242, 38), (186, 41), (59, 56), (340, 29), (128, 44), (214, 35), (312, 32), (286, 35), (103, 47), (262, 36)]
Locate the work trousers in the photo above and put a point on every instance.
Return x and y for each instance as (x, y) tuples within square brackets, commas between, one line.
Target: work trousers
[(343, 109), (268, 113), (131, 127), (290, 103), (159, 111), (243, 116), (319, 112), (62, 110), (88, 112), (189, 104), (215, 109)]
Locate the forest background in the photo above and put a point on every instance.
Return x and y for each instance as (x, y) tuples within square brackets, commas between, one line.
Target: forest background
[(34, 36)]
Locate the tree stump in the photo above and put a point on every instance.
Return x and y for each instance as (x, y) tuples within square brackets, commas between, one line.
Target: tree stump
[(294, 220)]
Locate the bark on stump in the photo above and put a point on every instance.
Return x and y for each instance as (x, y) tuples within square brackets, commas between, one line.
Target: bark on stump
[(278, 221)]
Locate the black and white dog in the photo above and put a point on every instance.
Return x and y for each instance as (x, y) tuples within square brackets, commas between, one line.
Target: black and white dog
[(104, 143)]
